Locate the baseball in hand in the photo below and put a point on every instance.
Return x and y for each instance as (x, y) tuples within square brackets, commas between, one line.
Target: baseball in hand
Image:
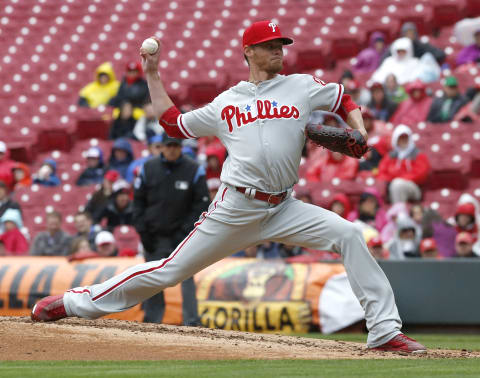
[(150, 45)]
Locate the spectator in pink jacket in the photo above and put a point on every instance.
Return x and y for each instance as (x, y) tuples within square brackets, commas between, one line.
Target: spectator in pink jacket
[(470, 54), (398, 210), (369, 59), (415, 109), (405, 168), (370, 210)]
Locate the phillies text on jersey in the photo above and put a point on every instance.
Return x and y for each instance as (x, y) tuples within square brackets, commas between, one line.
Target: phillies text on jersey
[(262, 126), (265, 110)]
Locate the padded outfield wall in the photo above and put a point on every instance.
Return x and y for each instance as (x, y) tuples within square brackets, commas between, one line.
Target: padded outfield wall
[(264, 295)]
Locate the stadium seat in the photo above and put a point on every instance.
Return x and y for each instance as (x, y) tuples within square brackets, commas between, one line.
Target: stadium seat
[(472, 8), (202, 55), (23, 151), (475, 167), (442, 200), (59, 139), (202, 93), (474, 187), (447, 12), (447, 178), (346, 46), (92, 128), (312, 59), (126, 237)]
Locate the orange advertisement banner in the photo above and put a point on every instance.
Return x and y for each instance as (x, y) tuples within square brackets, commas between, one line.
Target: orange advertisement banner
[(235, 293), (254, 281), (25, 280)]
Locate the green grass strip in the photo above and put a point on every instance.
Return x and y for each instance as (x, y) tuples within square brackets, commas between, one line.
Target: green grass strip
[(282, 368)]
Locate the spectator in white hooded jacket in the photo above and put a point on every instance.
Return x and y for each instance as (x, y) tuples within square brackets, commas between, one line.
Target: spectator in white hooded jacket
[(402, 63)]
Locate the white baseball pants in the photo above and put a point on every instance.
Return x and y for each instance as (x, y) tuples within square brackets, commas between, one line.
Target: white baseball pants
[(234, 222)]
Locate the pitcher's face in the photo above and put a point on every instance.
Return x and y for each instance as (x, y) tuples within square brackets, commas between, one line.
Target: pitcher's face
[(267, 56)]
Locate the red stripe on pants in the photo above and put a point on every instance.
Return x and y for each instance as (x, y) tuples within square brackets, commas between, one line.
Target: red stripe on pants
[(164, 262)]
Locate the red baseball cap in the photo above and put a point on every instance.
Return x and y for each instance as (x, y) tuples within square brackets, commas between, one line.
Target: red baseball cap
[(467, 208), (132, 66), (376, 241), (464, 237), (112, 175), (376, 84), (263, 31), (428, 245)]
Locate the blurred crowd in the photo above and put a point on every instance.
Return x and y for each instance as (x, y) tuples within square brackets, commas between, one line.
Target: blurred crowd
[(396, 224)]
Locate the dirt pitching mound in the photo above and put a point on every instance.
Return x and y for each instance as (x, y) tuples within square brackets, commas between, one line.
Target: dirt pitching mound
[(79, 339)]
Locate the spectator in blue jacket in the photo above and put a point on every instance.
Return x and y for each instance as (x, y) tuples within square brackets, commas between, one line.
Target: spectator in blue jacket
[(95, 170), (47, 174), (154, 147), (121, 156)]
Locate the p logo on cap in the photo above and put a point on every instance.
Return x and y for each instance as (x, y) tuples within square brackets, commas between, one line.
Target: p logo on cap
[(263, 31), (273, 26)]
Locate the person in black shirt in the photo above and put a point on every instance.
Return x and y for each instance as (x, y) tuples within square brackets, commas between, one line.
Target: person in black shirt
[(101, 197), (95, 170), (170, 194), (444, 108), (123, 126), (133, 89), (381, 107), (119, 210)]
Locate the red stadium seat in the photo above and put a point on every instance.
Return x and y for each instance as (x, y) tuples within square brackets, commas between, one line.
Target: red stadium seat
[(475, 168), (447, 178), (59, 139), (126, 237), (346, 46), (311, 59), (442, 200), (69, 39), (447, 12), (473, 8), (24, 151), (202, 93)]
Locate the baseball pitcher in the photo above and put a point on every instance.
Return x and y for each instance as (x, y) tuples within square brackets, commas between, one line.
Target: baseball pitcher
[(262, 123)]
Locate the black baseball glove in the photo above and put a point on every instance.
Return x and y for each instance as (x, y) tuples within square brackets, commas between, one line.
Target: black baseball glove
[(346, 141)]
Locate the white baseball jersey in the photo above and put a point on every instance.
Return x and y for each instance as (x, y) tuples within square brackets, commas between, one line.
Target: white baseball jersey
[(262, 127)]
